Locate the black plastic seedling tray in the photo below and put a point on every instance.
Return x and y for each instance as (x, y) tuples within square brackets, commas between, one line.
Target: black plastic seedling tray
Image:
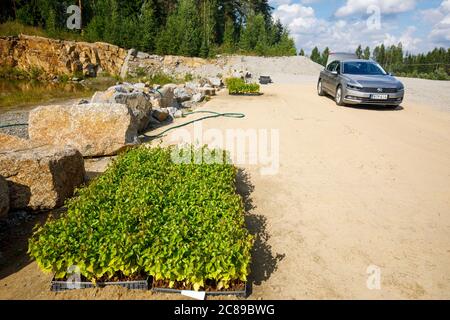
[(60, 286), (265, 80), (242, 293)]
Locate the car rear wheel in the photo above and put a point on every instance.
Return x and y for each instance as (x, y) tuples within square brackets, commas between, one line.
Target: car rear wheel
[(339, 97), (320, 89)]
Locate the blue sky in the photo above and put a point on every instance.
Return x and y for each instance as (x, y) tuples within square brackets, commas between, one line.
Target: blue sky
[(343, 24)]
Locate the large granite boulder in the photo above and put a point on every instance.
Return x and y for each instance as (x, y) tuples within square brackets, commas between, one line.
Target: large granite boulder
[(4, 198), (133, 96), (41, 178), (97, 129), (11, 143)]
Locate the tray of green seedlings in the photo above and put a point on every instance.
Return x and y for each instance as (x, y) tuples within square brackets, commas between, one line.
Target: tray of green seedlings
[(237, 86), (179, 223)]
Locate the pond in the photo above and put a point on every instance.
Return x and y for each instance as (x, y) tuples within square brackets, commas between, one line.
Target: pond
[(24, 94)]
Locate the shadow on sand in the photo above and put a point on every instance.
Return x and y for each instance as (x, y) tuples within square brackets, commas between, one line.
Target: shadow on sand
[(264, 262), (15, 231)]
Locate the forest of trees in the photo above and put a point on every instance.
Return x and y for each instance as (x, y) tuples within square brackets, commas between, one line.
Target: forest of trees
[(179, 27), (433, 65)]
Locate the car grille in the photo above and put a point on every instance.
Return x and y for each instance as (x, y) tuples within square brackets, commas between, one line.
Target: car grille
[(368, 100), (375, 90)]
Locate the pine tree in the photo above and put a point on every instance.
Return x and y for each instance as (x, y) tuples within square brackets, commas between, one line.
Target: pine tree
[(189, 27), (302, 52), (367, 53), (262, 42), (208, 12), (148, 26), (359, 52), (248, 36), (169, 38), (315, 55), (286, 46), (229, 41), (324, 58)]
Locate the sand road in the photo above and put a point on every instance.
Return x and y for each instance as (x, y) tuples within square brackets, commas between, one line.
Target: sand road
[(357, 190)]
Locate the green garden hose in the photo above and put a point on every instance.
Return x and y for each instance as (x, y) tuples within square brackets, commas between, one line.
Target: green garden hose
[(212, 114), (13, 125)]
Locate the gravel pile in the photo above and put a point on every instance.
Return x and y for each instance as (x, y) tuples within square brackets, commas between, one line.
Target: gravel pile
[(256, 66)]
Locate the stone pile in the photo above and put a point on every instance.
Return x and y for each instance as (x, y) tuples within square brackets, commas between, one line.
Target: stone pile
[(42, 172)]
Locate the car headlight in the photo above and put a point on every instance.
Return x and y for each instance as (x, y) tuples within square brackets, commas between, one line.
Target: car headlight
[(400, 89), (354, 87)]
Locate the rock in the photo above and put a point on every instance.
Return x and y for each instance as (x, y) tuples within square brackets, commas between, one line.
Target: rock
[(139, 86), (167, 95), (83, 101), (193, 86), (215, 82), (182, 94), (198, 97), (57, 57), (123, 88), (208, 91), (90, 70), (188, 104), (12, 143), (42, 178), (96, 129), (160, 115), (4, 198), (139, 102), (178, 114), (238, 74)]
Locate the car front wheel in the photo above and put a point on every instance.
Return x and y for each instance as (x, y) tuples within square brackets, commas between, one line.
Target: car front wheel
[(339, 96), (320, 89)]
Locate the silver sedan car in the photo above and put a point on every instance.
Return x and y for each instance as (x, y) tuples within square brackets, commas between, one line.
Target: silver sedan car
[(357, 81)]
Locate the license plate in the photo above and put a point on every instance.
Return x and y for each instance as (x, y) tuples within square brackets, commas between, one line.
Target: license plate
[(379, 97)]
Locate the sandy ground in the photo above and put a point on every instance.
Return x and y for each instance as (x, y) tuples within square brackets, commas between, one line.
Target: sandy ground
[(356, 187)]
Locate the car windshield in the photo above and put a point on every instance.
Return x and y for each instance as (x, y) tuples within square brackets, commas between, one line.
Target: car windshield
[(363, 68)]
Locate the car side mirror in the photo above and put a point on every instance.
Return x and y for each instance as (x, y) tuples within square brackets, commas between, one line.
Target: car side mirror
[(334, 73), (391, 74)]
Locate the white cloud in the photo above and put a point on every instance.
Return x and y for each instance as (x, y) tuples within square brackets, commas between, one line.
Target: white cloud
[(339, 35), (409, 42), (386, 6), (440, 19), (275, 3)]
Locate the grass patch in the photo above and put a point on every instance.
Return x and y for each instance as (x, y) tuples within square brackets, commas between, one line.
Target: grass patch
[(178, 222), (15, 28), (157, 78)]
